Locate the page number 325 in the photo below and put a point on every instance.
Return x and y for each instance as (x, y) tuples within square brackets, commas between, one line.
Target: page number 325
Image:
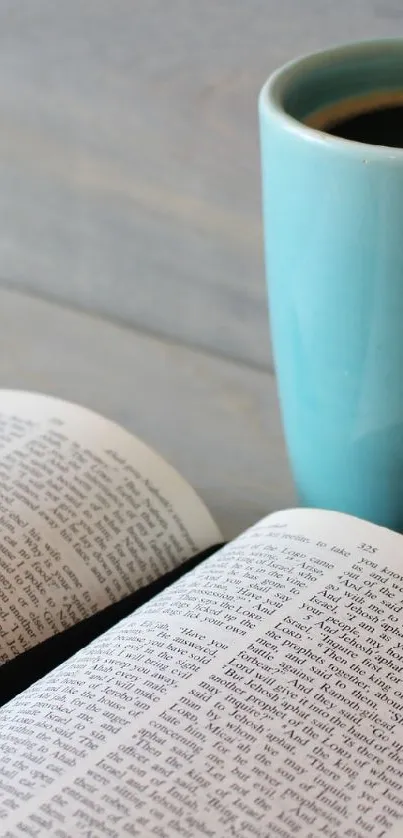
[(367, 548)]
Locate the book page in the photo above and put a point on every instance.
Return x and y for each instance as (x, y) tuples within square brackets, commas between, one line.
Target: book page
[(88, 514), (261, 695)]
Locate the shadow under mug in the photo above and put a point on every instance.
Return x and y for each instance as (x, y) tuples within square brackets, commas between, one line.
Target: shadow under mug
[(333, 228)]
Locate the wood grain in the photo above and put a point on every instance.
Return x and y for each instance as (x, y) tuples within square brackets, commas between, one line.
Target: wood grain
[(129, 172), (215, 420)]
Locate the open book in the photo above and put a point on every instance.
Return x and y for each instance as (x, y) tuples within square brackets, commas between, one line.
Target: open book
[(259, 695)]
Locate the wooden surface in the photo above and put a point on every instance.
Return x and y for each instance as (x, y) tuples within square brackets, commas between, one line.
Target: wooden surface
[(215, 420), (129, 188), (129, 171)]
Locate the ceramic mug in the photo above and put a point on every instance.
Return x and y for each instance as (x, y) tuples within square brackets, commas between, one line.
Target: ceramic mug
[(333, 228)]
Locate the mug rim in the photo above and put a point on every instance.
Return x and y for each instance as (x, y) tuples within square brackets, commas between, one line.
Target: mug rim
[(272, 95)]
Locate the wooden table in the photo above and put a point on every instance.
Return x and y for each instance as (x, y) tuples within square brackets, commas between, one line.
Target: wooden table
[(130, 239), (216, 420)]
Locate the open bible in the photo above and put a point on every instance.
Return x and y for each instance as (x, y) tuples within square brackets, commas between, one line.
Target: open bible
[(256, 692)]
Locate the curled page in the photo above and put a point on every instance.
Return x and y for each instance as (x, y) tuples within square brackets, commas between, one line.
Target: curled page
[(88, 514)]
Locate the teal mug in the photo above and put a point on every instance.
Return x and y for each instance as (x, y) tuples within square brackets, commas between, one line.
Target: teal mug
[(331, 127)]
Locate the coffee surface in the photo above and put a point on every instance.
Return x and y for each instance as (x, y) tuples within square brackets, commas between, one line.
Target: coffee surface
[(381, 126), (374, 119)]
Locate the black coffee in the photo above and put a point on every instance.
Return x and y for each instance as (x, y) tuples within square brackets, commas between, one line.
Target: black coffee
[(379, 126)]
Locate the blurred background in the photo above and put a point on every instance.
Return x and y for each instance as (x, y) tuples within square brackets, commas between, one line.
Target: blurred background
[(129, 172), (129, 190)]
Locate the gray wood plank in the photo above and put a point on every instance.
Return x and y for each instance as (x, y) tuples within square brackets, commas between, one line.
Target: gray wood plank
[(129, 173), (215, 420)]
